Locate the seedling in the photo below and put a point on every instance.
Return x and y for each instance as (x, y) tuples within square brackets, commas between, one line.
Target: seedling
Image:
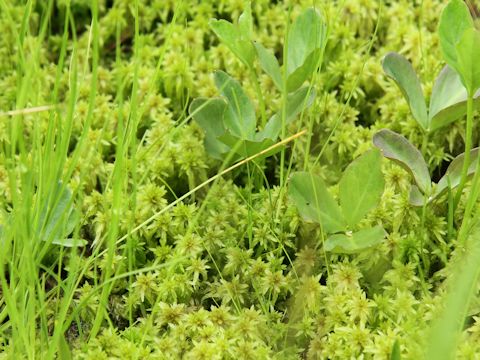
[(401, 151), (460, 43), (361, 188), (448, 99), (230, 122), (304, 46)]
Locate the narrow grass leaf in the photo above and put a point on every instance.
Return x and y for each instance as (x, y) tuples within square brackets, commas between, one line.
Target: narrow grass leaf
[(395, 354), (315, 203), (447, 326), (399, 149), (361, 186), (401, 71), (356, 242)]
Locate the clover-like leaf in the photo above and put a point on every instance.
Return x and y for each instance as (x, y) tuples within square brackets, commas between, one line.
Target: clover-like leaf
[(245, 147), (296, 103), (231, 36), (448, 99), (416, 198), (239, 116), (361, 186), (399, 149), (245, 22), (455, 19), (208, 113), (453, 174), (303, 72), (401, 71), (355, 242), (269, 64), (306, 36), (468, 57), (315, 203)]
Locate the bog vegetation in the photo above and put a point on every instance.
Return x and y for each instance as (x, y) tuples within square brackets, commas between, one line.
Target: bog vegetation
[(239, 180)]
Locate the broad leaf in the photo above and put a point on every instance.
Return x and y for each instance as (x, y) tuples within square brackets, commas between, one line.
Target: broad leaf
[(59, 218), (245, 22), (399, 149), (306, 34), (315, 203), (208, 113), (448, 99), (296, 103), (356, 242), (269, 64), (361, 186), (232, 38), (455, 19), (401, 71), (454, 172), (468, 57), (246, 148), (239, 116), (304, 71), (416, 198)]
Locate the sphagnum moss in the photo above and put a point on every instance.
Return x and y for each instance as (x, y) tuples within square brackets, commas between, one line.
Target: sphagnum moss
[(234, 272)]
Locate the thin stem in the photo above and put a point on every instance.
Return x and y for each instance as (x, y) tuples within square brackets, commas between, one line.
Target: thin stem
[(468, 147), (258, 90)]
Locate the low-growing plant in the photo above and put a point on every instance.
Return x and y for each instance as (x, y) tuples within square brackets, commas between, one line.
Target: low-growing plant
[(447, 101), (360, 190), (460, 44), (397, 148), (230, 122)]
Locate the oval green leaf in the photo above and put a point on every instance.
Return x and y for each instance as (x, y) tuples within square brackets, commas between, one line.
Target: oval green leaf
[(296, 103), (454, 172), (239, 116), (305, 36), (399, 149), (208, 113), (401, 71), (269, 64), (232, 38), (448, 100), (315, 203), (356, 242), (468, 57), (455, 19), (361, 186)]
